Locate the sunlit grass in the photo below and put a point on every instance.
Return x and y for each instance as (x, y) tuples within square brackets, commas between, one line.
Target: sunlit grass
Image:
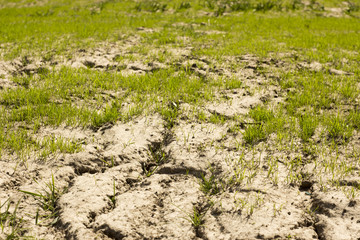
[(317, 106)]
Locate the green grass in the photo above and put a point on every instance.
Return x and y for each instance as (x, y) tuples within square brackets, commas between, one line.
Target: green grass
[(308, 124), (266, 121), (317, 108), (11, 225), (51, 97), (209, 186), (338, 128), (254, 134), (196, 218), (47, 200), (35, 30)]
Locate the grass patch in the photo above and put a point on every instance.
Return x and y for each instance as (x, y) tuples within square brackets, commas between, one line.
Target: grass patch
[(47, 200)]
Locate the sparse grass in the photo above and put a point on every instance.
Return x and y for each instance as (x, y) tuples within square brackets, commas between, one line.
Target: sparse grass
[(261, 114), (247, 205), (52, 97), (265, 123), (51, 145), (113, 197), (157, 155), (196, 217), (47, 200), (338, 128), (34, 104), (254, 133), (209, 186), (217, 119), (10, 223), (308, 124), (316, 118)]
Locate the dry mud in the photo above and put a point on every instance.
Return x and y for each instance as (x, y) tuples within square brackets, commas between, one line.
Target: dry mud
[(141, 180)]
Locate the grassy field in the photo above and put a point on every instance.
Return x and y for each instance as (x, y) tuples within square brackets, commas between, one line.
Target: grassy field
[(250, 106)]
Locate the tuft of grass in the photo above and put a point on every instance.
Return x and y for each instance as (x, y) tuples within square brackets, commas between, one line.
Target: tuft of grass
[(209, 186), (196, 217), (50, 145), (265, 123), (109, 115), (254, 134), (217, 119), (308, 124), (47, 199), (338, 128), (261, 114), (10, 223), (354, 119)]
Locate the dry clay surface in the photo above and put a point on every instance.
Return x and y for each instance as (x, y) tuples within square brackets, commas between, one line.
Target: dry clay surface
[(117, 190), (161, 206)]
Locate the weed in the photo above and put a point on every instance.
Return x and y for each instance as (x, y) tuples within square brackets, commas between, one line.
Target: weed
[(338, 128), (254, 134), (217, 119), (240, 203), (277, 210), (264, 125), (22, 81), (149, 168), (201, 116), (311, 211), (261, 114), (113, 197), (47, 199), (234, 129), (354, 119), (108, 163), (240, 5), (196, 218), (201, 147), (348, 91), (10, 223), (233, 83), (220, 10), (158, 155), (309, 149), (254, 202), (209, 186), (273, 170), (308, 124), (353, 7), (351, 192), (170, 115), (267, 5)]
